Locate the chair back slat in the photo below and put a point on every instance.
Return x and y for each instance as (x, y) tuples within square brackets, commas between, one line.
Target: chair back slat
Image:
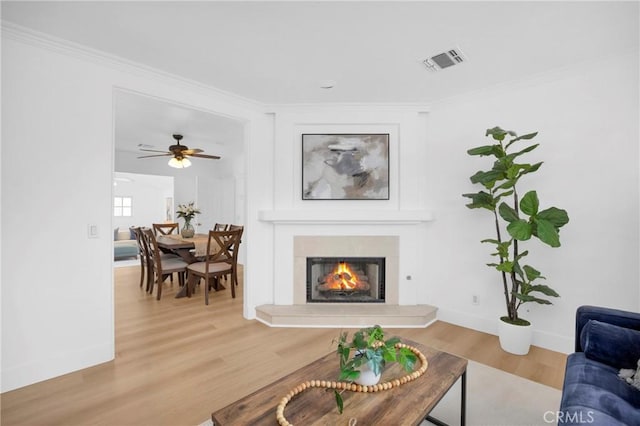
[(165, 228), (152, 249), (222, 247)]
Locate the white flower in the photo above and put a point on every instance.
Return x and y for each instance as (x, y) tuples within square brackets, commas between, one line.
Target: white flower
[(187, 211)]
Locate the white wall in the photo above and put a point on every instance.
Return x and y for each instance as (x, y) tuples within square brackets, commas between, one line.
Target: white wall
[(149, 194), (58, 102), (587, 117)]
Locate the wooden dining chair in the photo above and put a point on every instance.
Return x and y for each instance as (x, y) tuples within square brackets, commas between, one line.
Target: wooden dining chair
[(220, 260), (227, 227), (163, 266), (145, 268), (165, 228), (233, 228)]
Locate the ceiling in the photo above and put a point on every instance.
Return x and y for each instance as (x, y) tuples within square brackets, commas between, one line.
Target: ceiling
[(280, 52), (143, 120)]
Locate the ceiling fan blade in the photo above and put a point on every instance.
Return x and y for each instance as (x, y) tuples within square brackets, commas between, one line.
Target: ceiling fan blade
[(157, 155), (192, 151), (152, 150), (213, 157)]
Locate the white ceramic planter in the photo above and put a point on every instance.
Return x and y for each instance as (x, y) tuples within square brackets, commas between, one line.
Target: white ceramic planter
[(515, 339), (367, 378)]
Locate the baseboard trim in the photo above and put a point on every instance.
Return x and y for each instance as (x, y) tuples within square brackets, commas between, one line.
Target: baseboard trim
[(546, 340), (43, 369)]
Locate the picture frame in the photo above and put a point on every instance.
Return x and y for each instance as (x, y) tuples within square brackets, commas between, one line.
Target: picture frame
[(345, 166)]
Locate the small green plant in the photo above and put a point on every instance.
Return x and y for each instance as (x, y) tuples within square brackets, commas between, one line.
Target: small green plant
[(369, 347), (521, 218)]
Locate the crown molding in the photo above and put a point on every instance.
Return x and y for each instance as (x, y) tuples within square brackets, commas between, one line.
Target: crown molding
[(418, 107), (65, 47)]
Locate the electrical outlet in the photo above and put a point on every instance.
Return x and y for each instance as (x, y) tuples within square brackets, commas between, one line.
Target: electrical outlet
[(475, 299)]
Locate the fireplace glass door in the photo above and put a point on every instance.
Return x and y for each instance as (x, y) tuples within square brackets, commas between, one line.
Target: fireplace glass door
[(345, 280)]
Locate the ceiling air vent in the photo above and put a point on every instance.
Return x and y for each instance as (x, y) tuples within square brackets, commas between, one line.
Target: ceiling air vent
[(444, 60)]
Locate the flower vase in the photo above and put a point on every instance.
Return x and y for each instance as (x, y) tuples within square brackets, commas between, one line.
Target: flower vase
[(187, 230), (367, 377)]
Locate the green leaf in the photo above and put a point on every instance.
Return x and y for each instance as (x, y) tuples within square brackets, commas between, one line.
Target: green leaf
[(510, 183), (502, 248), (392, 341), (505, 266), (521, 255), (556, 216), (481, 200), (512, 171), (517, 269), (530, 169), (544, 289), (490, 240), (524, 151), (499, 134), (508, 213), (547, 233), (526, 137), (503, 194), (407, 359), (520, 230), (532, 273), (360, 339), (339, 401), (486, 150), (529, 203), (529, 298), (488, 179), (348, 375)]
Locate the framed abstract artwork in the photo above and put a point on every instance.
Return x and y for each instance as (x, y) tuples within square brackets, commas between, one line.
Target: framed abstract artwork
[(345, 166)]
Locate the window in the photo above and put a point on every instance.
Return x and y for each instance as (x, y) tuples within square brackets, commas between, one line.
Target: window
[(122, 206)]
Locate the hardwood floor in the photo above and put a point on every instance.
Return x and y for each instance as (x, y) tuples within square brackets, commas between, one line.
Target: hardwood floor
[(178, 360)]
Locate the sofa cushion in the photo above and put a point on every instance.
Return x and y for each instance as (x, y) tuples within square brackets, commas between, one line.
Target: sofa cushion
[(123, 235), (616, 346), (594, 394), (125, 248)]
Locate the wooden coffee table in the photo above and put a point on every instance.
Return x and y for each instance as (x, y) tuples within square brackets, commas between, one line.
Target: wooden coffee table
[(408, 404)]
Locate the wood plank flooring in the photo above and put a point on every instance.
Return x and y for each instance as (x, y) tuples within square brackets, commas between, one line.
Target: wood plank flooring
[(178, 360)]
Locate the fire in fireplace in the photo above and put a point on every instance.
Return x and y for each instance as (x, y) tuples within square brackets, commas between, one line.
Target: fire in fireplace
[(352, 280)]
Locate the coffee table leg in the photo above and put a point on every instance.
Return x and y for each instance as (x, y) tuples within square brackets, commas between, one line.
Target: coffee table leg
[(463, 404), (463, 399)]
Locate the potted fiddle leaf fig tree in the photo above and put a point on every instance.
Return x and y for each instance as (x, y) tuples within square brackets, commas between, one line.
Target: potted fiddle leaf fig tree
[(516, 220)]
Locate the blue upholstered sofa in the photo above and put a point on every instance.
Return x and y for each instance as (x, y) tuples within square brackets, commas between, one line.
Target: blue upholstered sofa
[(593, 394)]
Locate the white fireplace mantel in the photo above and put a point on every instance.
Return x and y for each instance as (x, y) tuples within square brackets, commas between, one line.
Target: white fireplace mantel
[(308, 216)]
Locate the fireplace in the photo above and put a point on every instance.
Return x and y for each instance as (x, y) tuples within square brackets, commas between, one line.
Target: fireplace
[(345, 279)]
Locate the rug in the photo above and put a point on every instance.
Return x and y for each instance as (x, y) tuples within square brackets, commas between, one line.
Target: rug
[(495, 398)]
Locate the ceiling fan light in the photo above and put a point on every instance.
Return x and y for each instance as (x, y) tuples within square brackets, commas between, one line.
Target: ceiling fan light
[(179, 163)]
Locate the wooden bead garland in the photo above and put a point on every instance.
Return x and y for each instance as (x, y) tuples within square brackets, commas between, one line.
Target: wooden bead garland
[(352, 386)]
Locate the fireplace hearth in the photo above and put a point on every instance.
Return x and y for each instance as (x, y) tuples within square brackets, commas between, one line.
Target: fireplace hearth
[(345, 280)]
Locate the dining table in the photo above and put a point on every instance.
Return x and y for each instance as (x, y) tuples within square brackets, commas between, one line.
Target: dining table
[(191, 250)]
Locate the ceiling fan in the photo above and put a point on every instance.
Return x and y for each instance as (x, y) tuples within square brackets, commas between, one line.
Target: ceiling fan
[(180, 154)]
